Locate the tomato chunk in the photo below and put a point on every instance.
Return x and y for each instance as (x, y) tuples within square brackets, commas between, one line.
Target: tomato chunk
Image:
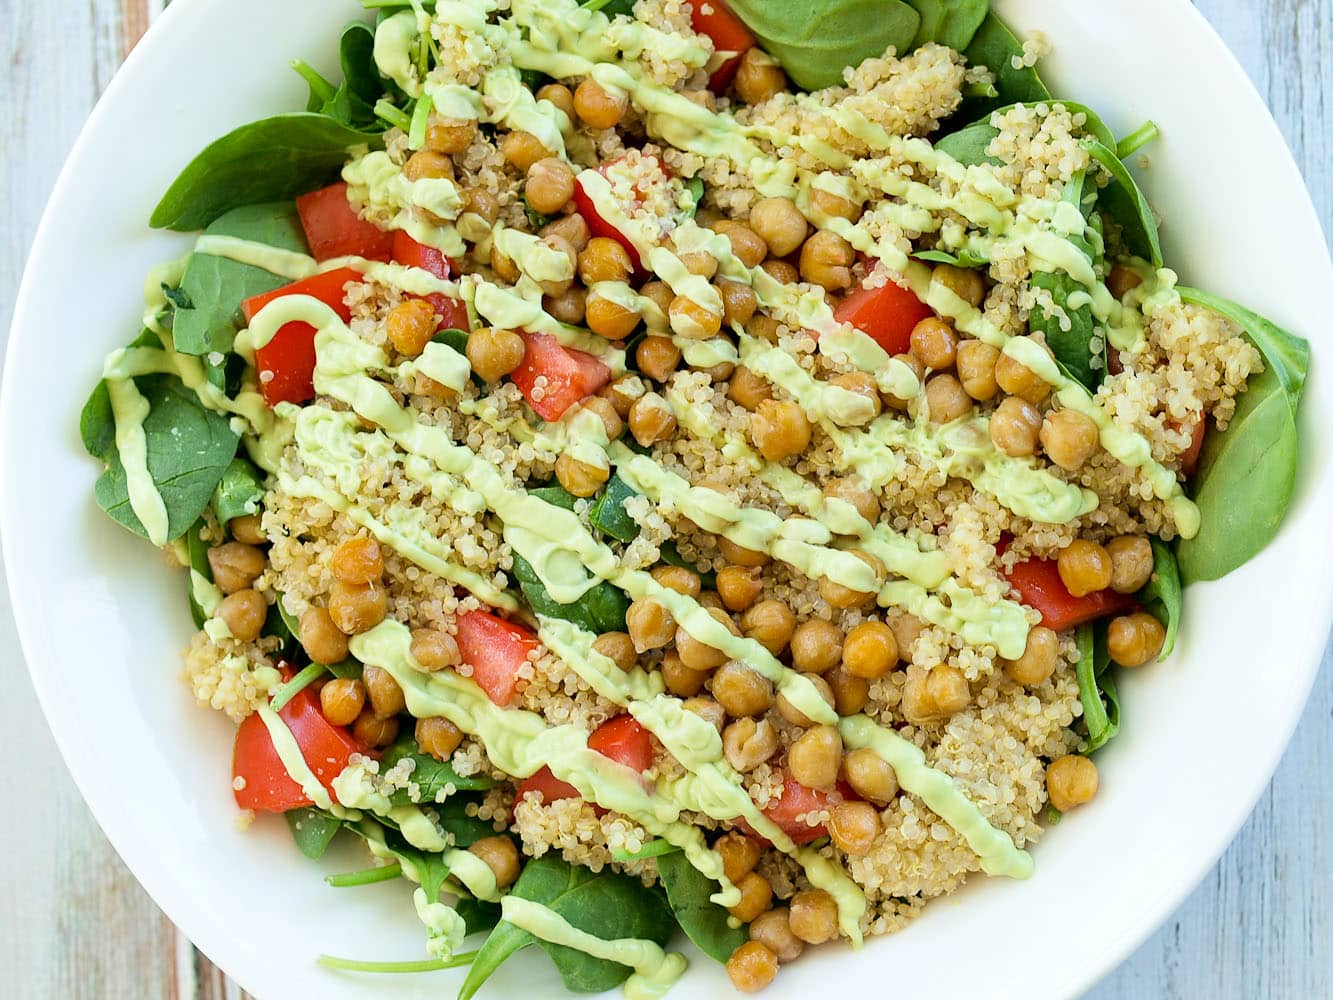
[(796, 801), (1039, 586), (729, 34), (333, 229), (1189, 458), (407, 251), (496, 649), (630, 201), (570, 375), (621, 739), (287, 362), (887, 314), (265, 785)]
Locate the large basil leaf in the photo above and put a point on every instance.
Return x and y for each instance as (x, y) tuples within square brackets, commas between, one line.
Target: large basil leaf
[(699, 917)]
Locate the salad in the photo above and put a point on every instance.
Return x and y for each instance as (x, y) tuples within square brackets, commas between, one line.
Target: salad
[(658, 468)]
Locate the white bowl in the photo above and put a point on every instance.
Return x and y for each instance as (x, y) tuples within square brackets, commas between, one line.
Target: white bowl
[(103, 621)]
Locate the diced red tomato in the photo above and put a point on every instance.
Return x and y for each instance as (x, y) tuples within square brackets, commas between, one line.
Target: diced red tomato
[(266, 786), (570, 375), (333, 229), (598, 226), (798, 800), (287, 362), (1039, 586), (496, 649), (1189, 458), (621, 739), (406, 250), (729, 34), (887, 314)]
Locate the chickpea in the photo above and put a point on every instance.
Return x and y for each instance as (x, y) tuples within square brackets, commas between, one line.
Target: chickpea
[(935, 343), (438, 737), (779, 429), (622, 393), (741, 690), (1133, 640), (1014, 427), (906, 629), (772, 930), (863, 384), (854, 827), (739, 854), (782, 272), (870, 775), (247, 529), (244, 612), (739, 586), (945, 399), (559, 95), (617, 647), (816, 646), (606, 413), (434, 649), (679, 679), (373, 731), (604, 259), (1084, 567), (748, 743), (410, 325), (816, 756), (780, 224), (746, 244), (322, 640), (235, 565), (842, 597), (691, 320), (764, 327), (678, 578), (1018, 379), (358, 560), (657, 357), (793, 714), (571, 228), (753, 965), (579, 478), (747, 389), (504, 267), (650, 420), (827, 205), (918, 369), (708, 710), (700, 263), (870, 650), (522, 149), (549, 185), (756, 897), (699, 655), (599, 107), (967, 285), (739, 555), (947, 689), (1131, 563), (357, 607), (494, 353), (650, 625), (1070, 438), (450, 135), (826, 261), (608, 318), (1071, 781), (1122, 280), (976, 362), (386, 697), (814, 916), (501, 857), (852, 490), (769, 623), (738, 302), (341, 700), (481, 203), (660, 293), (850, 693), (1039, 658), (426, 164), (759, 77)]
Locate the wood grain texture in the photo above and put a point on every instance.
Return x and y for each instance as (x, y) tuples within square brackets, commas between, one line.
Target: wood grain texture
[(78, 926)]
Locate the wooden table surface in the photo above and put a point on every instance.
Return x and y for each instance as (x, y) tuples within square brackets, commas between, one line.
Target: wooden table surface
[(77, 925)]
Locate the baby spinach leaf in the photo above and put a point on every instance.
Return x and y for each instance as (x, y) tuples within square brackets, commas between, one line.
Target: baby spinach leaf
[(606, 904), (695, 187), (1162, 594), (816, 40), (555, 494), (189, 448), (197, 550), (964, 258), (431, 776), (272, 159), (953, 23), (607, 513), (454, 820), (995, 47), (478, 914), (1069, 330), (699, 917), (1125, 203), (968, 144), (1096, 689), (275, 625), (601, 609), (312, 830), (652, 849), (611, 7), (240, 490)]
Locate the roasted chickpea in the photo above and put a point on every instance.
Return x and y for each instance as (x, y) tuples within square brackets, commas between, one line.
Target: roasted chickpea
[(247, 529), (739, 555), (357, 607), (501, 857), (657, 357), (438, 737), (816, 756), (678, 578), (1015, 426), (679, 679), (606, 413), (853, 490), (906, 629), (794, 715), (1018, 379), (1071, 781), (741, 690), (235, 565), (935, 343), (918, 369), (1131, 563), (622, 393), (840, 597), (779, 429), (1039, 659), (850, 693), (572, 228), (756, 897), (708, 710), (1133, 640), (358, 560), (814, 916), (660, 293), (816, 646), (738, 302), (617, 647), (769, 623), (598, 106), (947, 689), (559, 95), (434, 649), (649, 624), (522, 149), (826, 261), (746, 244), (748, 743), (854, 826), (244, 612), (753, 965), (1122, 280), (782, 272), (747, 389), (862, 384), (759, 77), (609, 318), (780, 224), (341, 700), (764, 327), (506, 270), (827, 205), (374, 731), (323, 641), (691, 320), (945, 399), (772, 930), (559, 247), (870, 650), (700, 263), (975, 363), (699, 655), (549, 185), (409, 326), (450, 135), (739, 586), (870, 776), (580, 478), (739, 854), (966, 284), (650, 419), (426, 164), (1069, 438), (494, 353), (1084, 567), (386, 697), (481, 203)]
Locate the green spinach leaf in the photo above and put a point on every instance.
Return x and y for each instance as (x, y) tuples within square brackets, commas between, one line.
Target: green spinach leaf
[(1162, 595), (312, 830), (454, 820), (197, 549), (699, 917), (607, 513), (240, 490), (1096, 689), (478, 914), (611, 7), (606, 904), (995, 47), (968, 144), (272, 159), (953, 23), (1069, 330), (695, 187), (964, 258), (430, 775), (601, 609), (555, 494), (1125, 203)]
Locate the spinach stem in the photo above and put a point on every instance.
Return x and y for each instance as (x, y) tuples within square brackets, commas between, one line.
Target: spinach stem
[(1137, 139), (367, 876), (416, 131), (295, 686), (423, 965), (386, 111), (319, 86)]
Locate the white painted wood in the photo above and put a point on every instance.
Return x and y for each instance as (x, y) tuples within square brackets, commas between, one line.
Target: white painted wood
[(76, 924)]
